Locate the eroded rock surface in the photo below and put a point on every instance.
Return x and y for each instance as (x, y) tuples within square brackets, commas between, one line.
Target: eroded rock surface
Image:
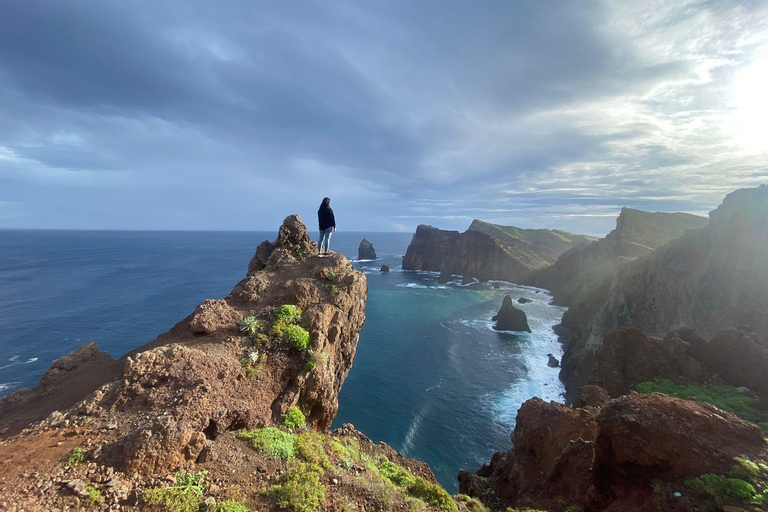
[(511, 318)]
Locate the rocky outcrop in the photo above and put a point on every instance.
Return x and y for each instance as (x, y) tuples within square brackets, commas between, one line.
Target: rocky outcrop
[(487, 251), (710, 279), (428, 248), (366, 251), (511, 318), (204, 377), (612, 457), (384, 268), (590, 266)]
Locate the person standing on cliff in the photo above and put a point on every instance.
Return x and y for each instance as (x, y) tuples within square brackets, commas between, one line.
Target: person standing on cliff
[(327, 225)]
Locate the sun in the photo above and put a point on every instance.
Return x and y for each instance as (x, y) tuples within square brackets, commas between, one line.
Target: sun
[(749, 122)]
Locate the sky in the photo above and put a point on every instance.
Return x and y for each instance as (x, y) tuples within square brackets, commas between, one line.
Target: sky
[(199, 115)]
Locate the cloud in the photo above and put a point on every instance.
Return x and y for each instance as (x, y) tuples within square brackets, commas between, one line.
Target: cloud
[(192, 115)]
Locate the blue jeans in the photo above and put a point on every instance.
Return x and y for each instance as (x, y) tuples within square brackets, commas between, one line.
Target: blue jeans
[(325, 239)]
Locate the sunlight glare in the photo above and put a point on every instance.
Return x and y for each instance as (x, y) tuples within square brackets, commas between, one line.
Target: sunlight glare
[(749, 123)]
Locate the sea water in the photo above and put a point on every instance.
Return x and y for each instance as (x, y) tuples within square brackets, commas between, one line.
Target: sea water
[(431, 378)]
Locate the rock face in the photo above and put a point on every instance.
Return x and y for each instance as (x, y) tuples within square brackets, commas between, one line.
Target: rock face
[(203, 377), (366, 251), (608, 458), (487, 251), (511, 318), (710, 279), (628, 357)]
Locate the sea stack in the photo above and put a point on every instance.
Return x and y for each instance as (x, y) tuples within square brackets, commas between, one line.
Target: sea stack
[(366, 251), (553, 362), (384, 268), (510, 318)]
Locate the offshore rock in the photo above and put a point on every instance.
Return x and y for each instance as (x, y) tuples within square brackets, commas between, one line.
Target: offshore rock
[(511, 318), (487, 251), (366, 251), (609, 458), (384, 268)]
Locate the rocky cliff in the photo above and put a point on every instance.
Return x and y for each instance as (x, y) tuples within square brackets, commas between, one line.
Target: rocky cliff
[(648, 453), (487, 251), (710, 279), (590, 266)]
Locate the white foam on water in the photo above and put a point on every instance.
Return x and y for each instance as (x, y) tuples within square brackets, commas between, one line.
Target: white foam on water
[(413, 285), (31, 360), (14, 358), (8, 385), (413, 428)]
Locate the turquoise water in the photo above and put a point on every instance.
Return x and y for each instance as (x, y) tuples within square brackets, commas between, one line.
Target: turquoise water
[(431, 378)]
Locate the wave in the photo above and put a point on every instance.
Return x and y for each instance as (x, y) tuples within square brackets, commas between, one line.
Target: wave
[(4, 386), (413, 428)]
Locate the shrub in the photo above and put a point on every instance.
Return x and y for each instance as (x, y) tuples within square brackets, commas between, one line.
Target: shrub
[(741, 489), (310, 365), (294, 418), (331, 276), (744, 469), (432, 494), (249, 326), (347, 449), (274, 442), (396, 474), (185, 495), (297, 335), (287, 313), (94, 495), (260, 339), (309, 448), (77, 456), (300, 489), (473, 504), (229, 506)]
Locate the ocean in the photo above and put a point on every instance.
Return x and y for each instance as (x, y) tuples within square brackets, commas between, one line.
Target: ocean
[(431, 378)]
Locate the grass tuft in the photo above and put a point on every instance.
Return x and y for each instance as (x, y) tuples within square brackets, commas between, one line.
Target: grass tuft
[(294, 418), (272, 441)]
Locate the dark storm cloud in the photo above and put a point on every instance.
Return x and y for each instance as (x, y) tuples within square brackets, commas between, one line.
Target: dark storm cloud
[(255, 108)]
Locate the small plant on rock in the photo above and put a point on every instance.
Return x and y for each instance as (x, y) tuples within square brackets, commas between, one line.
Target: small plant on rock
[(272, 441), (297, 336), (300, 489), (249, 326), (229, 506), (184, 495), (288, 313), (77, 456), (294, 418), (94, 495)]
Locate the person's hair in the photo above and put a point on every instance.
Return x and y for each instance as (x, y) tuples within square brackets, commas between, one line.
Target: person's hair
[(325, 204)]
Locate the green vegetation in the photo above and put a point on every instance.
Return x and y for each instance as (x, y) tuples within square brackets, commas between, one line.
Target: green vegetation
[(299, 250), (287, 313), (252, 363), (77, 456), (472, 504), (432, 494), (229, 506), (260, 339), (309, 448), (723, 396), (249, 326), (300, 489), (286, 318), (745, 469), (185, 495), (94, 495), (297, 335), (310, 365), (413, 486), (272, 441), (294, 418), (347, 449), (745, 486), (331, 276)]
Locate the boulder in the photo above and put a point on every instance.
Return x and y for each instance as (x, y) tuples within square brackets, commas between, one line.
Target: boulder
[(366, 251), (384, 268), (553, 361), (510, 318), (523, 300), (608, 458)]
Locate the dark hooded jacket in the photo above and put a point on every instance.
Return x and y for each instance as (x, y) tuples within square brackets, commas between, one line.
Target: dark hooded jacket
[(325, 218)]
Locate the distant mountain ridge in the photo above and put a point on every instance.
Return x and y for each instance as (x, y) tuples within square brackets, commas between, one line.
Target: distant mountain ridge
[(588, 266), (487, 251)]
